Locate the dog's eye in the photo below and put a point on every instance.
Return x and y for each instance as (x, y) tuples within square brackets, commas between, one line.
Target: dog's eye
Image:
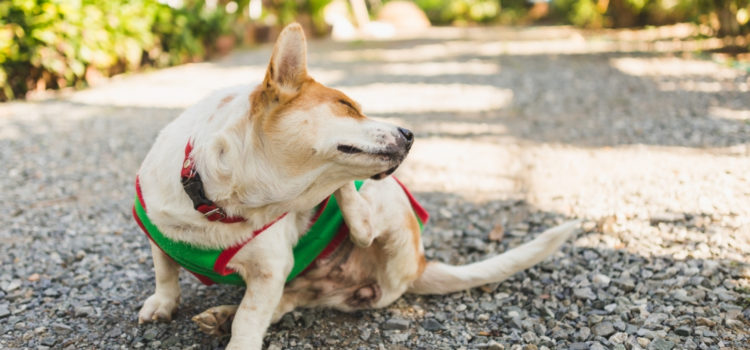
[(346, 103)]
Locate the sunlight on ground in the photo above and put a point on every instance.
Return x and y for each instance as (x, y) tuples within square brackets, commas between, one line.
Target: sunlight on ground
[(9, 131), (575, 44), (11, 128), (689, 85), (450, 128), (458, 129), (181, 86), (416, 98), (439, 68), (624, 172), (730, 114), (671, 66), (453, 49), (473, 169)]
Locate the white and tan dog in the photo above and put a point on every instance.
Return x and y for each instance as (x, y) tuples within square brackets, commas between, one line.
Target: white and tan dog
[(270, 154)]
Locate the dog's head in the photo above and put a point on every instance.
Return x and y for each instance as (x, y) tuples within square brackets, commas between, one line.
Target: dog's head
[(315, 138)]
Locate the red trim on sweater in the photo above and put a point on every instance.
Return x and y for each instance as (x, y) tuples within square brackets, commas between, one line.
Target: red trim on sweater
[(140, 197), (205, 280), (226, 255), (421, 212)]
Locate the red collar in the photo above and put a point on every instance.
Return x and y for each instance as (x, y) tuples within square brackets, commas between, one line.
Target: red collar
[(193, 186)]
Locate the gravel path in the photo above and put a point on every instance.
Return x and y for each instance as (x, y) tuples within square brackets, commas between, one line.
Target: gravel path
[(517, 130)]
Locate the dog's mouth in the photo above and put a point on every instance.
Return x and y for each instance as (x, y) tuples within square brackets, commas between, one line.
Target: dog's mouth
[(383, 175), (392, 155)]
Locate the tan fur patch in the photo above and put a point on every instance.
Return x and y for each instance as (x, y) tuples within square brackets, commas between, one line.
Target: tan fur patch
[(269, 106), (416, 236), (225, 100), (222, 103), (313, 94)]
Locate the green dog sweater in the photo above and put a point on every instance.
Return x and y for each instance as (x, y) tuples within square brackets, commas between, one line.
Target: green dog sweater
[(209, 265)]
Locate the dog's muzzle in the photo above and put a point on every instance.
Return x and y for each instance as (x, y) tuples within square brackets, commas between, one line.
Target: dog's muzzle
[(397, 152)]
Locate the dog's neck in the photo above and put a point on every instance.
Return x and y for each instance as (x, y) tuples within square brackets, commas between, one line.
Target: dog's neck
[(241, 178)]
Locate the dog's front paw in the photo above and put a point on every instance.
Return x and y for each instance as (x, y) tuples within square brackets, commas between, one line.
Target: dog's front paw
[(158, 308), (216, 320)]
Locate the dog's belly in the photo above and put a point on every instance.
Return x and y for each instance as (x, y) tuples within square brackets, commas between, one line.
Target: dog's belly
[(347, 280)]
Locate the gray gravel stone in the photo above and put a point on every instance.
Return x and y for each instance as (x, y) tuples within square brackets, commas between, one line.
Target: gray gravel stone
[(601, 280), (4, 310), (150, 334), (395, 337), (578, 346), (646, 333), (618, 338), (660, 344), (396, 324), (584, 293), (432, 325), (51, 292), (683, 331), (597, 346), (493, 345), (583, 333), (604, 329)]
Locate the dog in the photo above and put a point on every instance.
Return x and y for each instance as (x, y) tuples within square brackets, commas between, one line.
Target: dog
[(257, 169)]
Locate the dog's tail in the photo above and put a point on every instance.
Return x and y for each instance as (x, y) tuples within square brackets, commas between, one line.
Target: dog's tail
[(439, 278)]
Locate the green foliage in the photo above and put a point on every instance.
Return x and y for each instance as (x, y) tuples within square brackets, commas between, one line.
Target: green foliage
[(316, 8), (59, 43), (727, 17), (459, 11), (288, 11)]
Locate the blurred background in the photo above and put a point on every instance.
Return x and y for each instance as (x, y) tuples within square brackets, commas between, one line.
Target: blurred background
[(58, 44)]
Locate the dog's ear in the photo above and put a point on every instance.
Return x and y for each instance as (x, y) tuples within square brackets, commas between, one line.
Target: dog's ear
[(288, 68)]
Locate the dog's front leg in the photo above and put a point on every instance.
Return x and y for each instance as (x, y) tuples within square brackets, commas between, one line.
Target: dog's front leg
[(265, 286), (357, 215), (161, 305)]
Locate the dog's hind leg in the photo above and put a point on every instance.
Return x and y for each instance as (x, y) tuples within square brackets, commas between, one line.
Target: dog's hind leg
[(161, 305), (357, 215)]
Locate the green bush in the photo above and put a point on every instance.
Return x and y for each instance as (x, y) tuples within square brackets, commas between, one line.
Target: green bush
[(726, 17), (459, 11), (60, 43)]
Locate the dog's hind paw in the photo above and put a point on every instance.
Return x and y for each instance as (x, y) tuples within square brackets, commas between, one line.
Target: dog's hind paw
[(216, 320), (157, 308)]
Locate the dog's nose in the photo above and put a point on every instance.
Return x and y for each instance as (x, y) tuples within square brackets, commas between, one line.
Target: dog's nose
[(407, 134)]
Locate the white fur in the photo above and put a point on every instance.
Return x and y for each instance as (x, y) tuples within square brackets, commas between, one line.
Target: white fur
[(439, 278)]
